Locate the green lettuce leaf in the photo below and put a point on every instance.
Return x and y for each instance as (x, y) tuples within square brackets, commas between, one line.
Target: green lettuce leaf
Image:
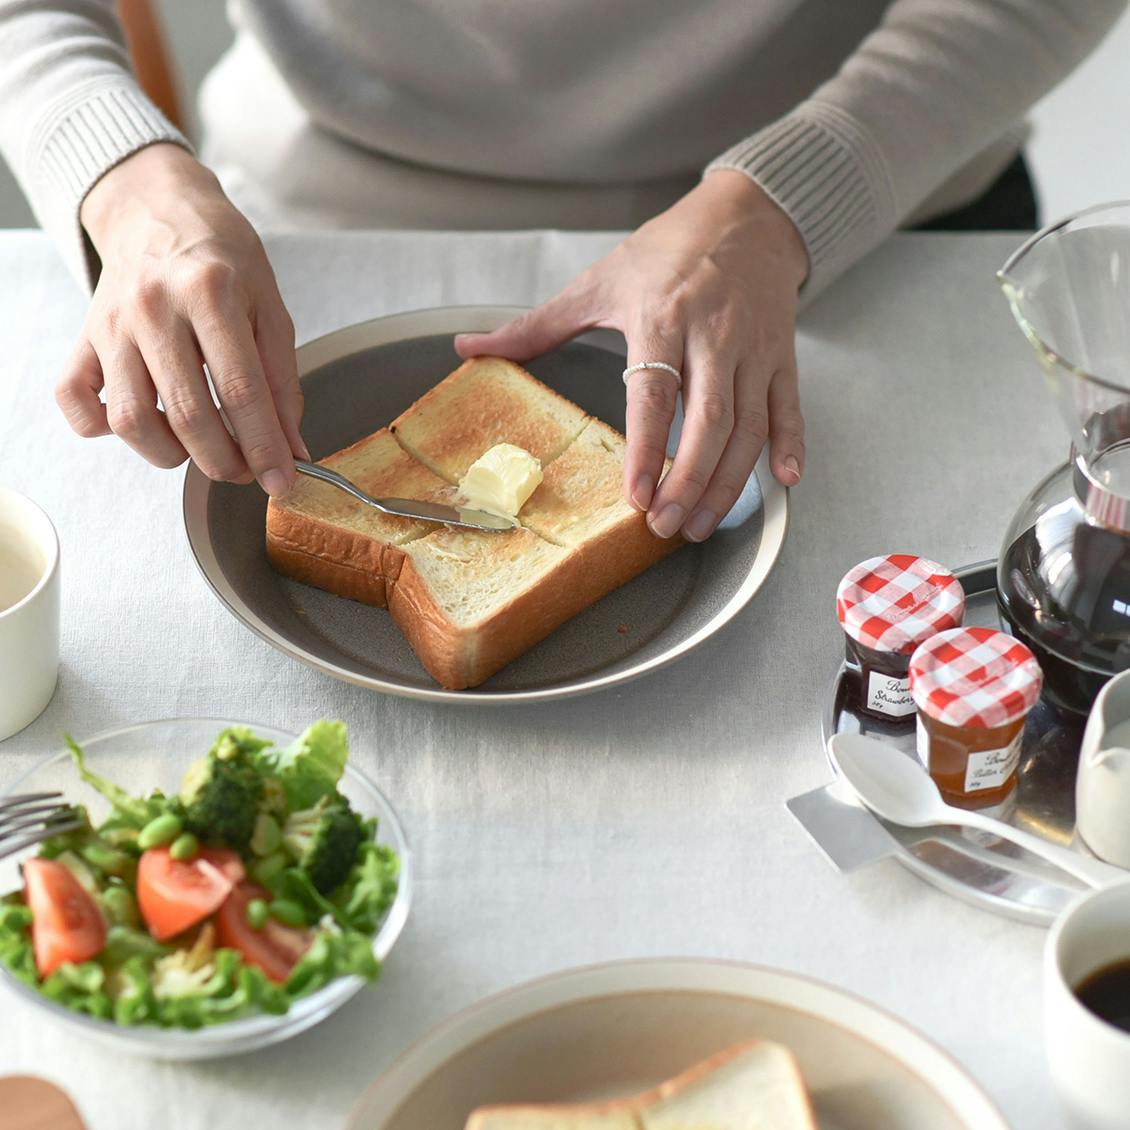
[(366, 895), (311, 766), (81, 988), (16, 952), (129, 810), (332, 955)]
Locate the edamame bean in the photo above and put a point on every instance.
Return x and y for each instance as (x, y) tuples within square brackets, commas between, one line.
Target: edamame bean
[(160, 830), (266, 838), (257, 911), (264, 870), (184, 847), (287, 912)]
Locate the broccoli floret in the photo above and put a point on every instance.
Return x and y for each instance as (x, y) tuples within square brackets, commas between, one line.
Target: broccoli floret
[(221, 795), (323, 841)]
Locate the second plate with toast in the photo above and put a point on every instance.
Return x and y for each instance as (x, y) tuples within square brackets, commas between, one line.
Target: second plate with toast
[(359, 379)]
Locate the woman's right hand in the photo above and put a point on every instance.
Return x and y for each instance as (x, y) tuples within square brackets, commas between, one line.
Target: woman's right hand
[(185, 282)]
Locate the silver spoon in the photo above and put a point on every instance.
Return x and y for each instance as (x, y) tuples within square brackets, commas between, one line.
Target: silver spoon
[(899, 789), (411, 507)]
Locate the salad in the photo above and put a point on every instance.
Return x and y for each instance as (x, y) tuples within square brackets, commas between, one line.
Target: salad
[(255, 885)]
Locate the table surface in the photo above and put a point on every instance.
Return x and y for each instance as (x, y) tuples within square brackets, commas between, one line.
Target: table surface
[(557, 835)]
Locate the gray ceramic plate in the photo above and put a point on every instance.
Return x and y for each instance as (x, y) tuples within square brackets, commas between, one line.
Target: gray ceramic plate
[(358, 379), (615, 1030)]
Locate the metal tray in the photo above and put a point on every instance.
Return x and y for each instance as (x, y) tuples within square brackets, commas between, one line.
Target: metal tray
[(975, 866), (359, 378)]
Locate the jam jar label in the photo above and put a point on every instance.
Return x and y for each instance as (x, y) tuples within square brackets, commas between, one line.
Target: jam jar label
[(990, 768), (889, 695), (922, 744)]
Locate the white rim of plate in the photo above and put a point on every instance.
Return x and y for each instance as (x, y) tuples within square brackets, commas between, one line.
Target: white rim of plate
[(935, 1068), (462, 319)]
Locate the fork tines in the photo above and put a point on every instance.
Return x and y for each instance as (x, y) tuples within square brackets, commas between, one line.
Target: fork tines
[(26, 820)]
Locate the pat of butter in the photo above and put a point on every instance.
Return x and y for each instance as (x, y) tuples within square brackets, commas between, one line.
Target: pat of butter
[(501, 480)]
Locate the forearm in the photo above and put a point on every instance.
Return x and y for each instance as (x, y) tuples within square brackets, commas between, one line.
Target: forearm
[(70, 109), (935, 84)]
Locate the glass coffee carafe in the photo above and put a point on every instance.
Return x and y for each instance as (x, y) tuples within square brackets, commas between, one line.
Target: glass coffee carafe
[(1063, 581)]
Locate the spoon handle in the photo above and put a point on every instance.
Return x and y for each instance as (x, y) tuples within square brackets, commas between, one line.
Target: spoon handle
[(1093, 872)]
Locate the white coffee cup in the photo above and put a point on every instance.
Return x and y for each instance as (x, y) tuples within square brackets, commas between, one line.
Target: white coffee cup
[(1089, 1058), (29, 611)]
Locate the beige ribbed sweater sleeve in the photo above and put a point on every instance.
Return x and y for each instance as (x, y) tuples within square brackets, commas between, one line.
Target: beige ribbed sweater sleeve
[(921, 96), (70, 109)]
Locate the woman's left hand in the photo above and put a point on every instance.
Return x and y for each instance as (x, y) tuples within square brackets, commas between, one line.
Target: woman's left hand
[(709, 287)]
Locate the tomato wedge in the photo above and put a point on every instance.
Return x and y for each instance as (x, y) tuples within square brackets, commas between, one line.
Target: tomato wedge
[(66, 924), (275, 948), (173, 895)]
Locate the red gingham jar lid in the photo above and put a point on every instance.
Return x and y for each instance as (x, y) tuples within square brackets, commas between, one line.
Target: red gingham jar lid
[(974, 677), (893, 603)]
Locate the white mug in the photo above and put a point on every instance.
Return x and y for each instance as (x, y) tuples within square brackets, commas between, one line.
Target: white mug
[(29, 611), (1089, 1058)]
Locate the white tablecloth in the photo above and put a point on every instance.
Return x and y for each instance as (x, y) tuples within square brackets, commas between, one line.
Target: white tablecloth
[(557, 835)]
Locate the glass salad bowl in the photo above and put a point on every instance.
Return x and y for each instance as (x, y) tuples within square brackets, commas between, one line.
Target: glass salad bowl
[(155, 755)]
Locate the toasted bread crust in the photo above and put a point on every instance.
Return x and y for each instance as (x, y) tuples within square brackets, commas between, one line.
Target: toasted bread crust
[(636, 1104), (328, 557), (528, 413), (458, 659), (669, 1088)]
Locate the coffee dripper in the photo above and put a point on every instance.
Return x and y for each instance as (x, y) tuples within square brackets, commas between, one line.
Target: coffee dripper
[(1063, 579)]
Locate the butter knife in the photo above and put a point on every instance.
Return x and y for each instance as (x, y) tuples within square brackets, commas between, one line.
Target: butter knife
[(410, 507)]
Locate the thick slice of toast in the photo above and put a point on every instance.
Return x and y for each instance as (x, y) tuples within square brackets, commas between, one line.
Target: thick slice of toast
[(320, 535), (484, 402), (470, 602), (751, 1086)]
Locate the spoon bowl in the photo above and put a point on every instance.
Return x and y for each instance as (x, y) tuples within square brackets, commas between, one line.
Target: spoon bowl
[(898, 789)]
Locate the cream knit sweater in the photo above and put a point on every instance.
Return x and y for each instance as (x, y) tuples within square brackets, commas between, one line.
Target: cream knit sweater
[(853, 114)]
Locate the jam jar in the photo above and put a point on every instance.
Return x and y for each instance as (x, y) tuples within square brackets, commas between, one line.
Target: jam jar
[(887, 606), (973, 688)]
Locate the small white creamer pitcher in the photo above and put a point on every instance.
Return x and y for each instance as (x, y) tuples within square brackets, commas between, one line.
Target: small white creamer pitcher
[(1102, 788)]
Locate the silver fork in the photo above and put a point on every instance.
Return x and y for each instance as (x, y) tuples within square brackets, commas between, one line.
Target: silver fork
[(27, 819)]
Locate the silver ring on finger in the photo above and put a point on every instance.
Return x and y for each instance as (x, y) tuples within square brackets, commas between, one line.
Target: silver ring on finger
[(662, 366)]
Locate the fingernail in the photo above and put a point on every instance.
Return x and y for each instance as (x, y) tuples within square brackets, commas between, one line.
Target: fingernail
[(701, 525), (792, 466), (303, 450), (668, 520), (274, 482), (643, 491)]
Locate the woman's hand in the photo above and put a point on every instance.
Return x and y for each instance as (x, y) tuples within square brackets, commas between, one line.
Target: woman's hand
[(185, 282), (710, 287)]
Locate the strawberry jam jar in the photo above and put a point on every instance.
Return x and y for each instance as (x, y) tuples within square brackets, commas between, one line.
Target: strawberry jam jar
[(887, 606), (973, 688)]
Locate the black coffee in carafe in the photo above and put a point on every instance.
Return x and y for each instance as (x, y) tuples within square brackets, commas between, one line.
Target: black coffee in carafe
[(1064, 589)]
